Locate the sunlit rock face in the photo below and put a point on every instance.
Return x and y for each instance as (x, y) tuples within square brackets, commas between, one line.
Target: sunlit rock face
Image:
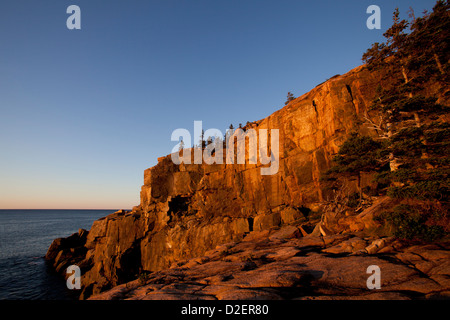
[(188, 209)]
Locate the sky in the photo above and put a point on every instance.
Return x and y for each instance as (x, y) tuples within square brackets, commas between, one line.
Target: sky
[(84, 112)]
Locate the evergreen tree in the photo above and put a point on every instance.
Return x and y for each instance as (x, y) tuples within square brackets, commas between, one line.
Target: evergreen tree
[(396, 40), (181, 147), (202, 140), (424, 51), (409, 60), (228, 134), (429, 45), (357, 154), (376, 55), (290, 97), (413, 131)]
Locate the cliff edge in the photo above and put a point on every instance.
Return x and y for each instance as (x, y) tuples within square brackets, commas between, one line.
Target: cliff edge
[(187, 210)]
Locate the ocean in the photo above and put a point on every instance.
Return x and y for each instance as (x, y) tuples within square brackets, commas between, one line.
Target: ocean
[(25, 236)]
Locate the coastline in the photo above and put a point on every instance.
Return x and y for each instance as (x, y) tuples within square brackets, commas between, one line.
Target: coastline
[(280, 265)]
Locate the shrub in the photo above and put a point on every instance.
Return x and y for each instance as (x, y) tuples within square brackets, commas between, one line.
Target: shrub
[(289, 98), (413, 223), (423, 190)]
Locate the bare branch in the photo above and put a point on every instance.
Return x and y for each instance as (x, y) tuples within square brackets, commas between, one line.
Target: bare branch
[(377, 127)]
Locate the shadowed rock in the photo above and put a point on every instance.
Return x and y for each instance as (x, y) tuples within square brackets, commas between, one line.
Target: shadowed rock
[(290, 270)]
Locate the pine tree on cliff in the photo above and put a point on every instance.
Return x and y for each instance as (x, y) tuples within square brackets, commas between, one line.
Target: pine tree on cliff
[(396, 41), (228, 134), (289, 98), (417, 134), (181, 147), (202, 142), (430, 46), (357, 154), (377, 55), (409, 60), (424, 51)]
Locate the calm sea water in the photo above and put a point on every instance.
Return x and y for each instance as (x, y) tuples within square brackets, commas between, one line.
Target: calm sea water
[(25, 236)]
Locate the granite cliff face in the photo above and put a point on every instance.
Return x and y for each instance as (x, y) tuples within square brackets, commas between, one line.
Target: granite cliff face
[(195, 207), (188, 209)]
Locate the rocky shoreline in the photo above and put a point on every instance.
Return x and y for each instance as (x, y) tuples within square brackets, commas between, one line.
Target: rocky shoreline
[(281, 264)]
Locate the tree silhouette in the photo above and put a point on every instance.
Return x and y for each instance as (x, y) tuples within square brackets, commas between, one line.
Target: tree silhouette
[(202, 140), (290, 97), (181, 147), (429, 45)]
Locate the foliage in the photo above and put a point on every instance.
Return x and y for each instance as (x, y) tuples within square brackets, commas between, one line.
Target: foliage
[(289, 98), (423, 47), (181, 146), (423, 190), (357, 153), (401, 175), (411, 152), (407, 143), (412, 222), (429, 42)]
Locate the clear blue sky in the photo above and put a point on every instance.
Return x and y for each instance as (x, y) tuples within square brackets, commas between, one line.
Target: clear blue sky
[(84, 112)]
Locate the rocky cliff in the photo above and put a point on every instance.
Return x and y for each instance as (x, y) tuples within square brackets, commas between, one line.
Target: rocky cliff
[(188, 209), (282, 264)]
